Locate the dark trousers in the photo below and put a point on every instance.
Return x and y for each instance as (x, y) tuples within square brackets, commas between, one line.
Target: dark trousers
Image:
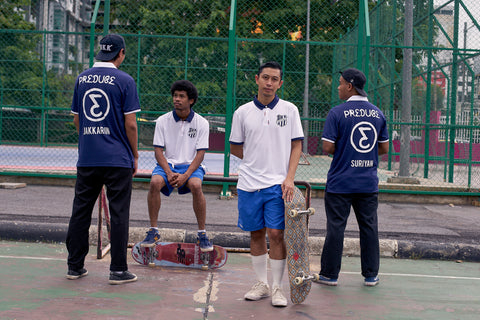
[(90, 180), (337, 207)]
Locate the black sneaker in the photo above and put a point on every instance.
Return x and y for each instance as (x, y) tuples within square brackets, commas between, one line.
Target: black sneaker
[(75, 274), (327, 281), (120, 277), (371, 281)]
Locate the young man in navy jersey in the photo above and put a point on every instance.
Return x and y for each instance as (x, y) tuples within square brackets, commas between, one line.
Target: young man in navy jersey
[(267, 135), (356, 134), (180, 141), (104, 105)]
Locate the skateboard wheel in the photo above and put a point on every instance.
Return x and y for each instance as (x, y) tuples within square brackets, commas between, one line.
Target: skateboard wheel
[(312, 211), (204, 268), (298, 280), (151, 264), (293, 213), (316, 277)]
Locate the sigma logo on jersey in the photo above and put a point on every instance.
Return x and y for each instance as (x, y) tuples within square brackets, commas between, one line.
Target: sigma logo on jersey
[(281, 120), (192, 132), (96, 104), (363, 137)]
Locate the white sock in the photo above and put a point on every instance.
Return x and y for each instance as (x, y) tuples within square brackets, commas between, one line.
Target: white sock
[(200, 231), (260, 267), (278, 268)]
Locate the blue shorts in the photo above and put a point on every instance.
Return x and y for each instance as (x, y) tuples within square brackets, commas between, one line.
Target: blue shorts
[(261, 208), (168, 188)]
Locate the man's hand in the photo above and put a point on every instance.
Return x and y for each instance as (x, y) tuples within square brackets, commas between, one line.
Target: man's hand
[(287, 190), (135, 166), (179, 180), (172, 178)]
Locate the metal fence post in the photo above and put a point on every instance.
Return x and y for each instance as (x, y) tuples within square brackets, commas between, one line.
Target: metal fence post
[(363, 56), (186, 56), (44, 86), (139, 50), (284, 54), (428, 102), (391, 149), (306, 89), (406, 92), (106, 17), (453, 97), (1, 109), (230, 92), (92, 33)]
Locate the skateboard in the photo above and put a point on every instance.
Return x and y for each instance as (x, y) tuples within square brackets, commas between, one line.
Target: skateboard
[(296, 239), (178, 254)]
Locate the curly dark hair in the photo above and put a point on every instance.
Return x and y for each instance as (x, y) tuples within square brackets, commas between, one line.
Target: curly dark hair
[(185, 85)]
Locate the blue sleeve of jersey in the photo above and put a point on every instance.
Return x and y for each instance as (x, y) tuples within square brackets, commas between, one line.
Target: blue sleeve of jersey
[(74, 106), (131, 97), (330, 131), (383, 135)]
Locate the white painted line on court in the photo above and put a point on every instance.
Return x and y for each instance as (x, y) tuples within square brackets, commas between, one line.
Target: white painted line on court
[(32, 258), (419, 275), (206, 295)]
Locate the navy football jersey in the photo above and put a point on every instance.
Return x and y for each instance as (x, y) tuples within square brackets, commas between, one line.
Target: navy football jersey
[(102, 97), (356, 127)]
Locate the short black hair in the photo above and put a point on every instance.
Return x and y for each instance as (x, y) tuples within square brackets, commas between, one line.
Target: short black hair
[(271, 64), (187, 86)]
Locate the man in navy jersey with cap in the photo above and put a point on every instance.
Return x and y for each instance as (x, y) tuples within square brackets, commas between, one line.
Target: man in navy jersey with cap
[(105, 102), (356, 134)]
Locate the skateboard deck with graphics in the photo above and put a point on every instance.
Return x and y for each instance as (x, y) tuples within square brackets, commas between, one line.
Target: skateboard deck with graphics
[(178, 254), (296, 239)]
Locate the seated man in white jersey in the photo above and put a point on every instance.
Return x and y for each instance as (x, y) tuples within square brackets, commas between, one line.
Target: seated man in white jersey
[(180, 141), (267, 135)]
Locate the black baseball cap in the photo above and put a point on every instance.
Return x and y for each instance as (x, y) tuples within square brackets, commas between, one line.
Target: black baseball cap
[(356, 78), (110, 46)]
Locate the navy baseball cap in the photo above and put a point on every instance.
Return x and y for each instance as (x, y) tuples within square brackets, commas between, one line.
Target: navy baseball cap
[(110, 46), (356, 78)]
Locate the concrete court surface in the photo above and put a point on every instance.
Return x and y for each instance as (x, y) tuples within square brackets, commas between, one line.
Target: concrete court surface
[(33, 286)]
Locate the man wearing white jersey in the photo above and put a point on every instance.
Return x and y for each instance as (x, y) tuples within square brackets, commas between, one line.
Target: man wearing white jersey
[(267, 135), (180, 141)]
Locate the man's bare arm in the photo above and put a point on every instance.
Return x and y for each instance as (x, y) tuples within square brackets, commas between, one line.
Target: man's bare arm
[(237, 150), (288, 184), (76, 122), (383, 148), (328, 147), (132, 135)]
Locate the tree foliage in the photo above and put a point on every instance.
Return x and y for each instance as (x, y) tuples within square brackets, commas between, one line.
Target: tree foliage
[(19, 67), (23, 75), (175, 39), (163, 60)]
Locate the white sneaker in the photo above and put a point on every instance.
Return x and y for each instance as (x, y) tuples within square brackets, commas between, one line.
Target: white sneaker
[(278, 298), (259, 291)]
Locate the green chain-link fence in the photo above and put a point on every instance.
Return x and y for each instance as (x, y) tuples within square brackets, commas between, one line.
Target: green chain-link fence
[(219, 44)]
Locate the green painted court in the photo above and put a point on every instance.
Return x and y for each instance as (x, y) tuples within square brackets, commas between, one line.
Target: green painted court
[(33, 286)]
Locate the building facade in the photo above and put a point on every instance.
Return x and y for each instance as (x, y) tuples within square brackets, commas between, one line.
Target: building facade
[(64, 21)]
